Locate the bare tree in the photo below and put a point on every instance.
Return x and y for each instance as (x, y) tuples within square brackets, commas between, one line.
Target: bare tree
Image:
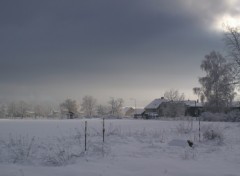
[(174, 95), (199, 92), (69, 107), (38, 110), (216, 85), (22, 108), (88, 105), (12, 109), (232, 42), (42, 110), (102, 110), (116, 106), (2, 111)]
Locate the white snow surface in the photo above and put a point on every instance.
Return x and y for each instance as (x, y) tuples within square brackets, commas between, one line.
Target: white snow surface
[(131, 148), (155, 103)]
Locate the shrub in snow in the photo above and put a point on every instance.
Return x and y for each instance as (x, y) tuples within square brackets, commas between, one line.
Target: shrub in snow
[(148, 136), (184, 127), (233, 116), (113, 130), (18, 149), (109, 131), (61, 151), (208, 116), (98, 149), (159, 136), (189, 153), (211, 133)]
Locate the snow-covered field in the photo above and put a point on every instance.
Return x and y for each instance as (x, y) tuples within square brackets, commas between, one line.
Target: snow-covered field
[(132, 147)]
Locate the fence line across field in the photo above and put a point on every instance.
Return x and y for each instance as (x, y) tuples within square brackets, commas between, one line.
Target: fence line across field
[(103, 131)]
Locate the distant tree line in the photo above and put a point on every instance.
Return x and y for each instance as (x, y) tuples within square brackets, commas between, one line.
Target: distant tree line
[(69, 108), (22, 109)]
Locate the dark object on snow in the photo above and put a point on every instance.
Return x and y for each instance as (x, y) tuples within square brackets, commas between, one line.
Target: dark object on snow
[(71, 115), (190, 143)]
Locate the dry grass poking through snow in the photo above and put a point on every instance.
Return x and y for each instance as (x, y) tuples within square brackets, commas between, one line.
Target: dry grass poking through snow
[(119, 141)]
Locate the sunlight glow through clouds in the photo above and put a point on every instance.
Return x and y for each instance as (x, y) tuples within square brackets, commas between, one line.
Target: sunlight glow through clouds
[(229, 19), (226, 20)]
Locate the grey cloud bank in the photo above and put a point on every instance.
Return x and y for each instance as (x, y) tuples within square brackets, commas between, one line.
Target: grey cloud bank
[(57, 49)]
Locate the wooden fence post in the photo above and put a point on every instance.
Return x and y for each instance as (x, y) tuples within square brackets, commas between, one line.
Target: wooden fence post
[(85, 135), (103, 129), (199, 130)]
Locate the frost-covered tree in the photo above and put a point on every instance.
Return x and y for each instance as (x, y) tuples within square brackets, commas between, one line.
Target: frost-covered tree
[(88, 105), (42, 110), (232, 42), (22, 108), (199, 92), (69, 107), (39, 111), (12, 109), (102, 110), (217, 85), (2, 111), (174, 95), (116, 106)]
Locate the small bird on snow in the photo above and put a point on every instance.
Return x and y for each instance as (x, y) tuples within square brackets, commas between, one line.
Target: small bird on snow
[(190, 143)]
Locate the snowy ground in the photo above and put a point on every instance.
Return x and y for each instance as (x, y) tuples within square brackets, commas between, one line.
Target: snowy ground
[(132, 147)]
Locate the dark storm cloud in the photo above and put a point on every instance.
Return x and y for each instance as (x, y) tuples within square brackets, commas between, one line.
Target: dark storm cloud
[(43, 41)]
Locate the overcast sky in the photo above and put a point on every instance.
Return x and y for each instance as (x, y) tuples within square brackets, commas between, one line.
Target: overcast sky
[(56, 49)]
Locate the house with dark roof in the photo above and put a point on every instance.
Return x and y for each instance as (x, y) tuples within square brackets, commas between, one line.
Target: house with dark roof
[(139, 113), (153, 109), (161, 107), (193, 108)]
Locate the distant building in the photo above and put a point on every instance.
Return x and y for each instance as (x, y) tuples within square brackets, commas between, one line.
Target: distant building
[(163, 108), (193, 108), (153, 109), (139, 113), (68, 114)]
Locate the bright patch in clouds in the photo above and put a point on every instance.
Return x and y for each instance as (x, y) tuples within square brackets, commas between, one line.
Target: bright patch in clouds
[(227, 20)]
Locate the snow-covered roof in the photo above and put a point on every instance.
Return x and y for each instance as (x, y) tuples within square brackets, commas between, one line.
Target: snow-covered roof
[(192, 103), (155, 103)]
